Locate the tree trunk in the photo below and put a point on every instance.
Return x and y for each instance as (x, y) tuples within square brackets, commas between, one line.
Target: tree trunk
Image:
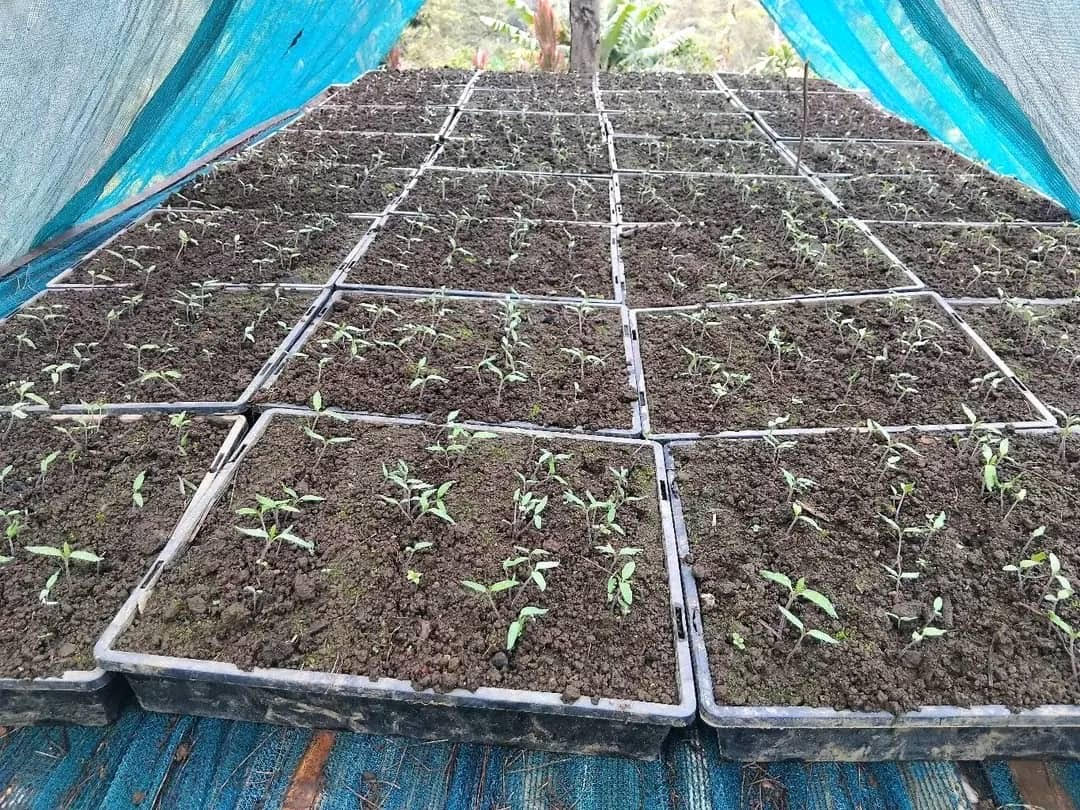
[(584, 35)]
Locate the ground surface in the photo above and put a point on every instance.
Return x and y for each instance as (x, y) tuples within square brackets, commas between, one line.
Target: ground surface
[(155, 761)]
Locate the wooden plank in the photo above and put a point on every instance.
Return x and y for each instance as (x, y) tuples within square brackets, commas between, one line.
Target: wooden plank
[(1037, 785), (308, 778)]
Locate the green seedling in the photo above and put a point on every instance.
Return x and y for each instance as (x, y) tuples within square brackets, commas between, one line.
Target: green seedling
[(1070, 426), (503, 378), (934, 524), (534, 564), (548, 463), (423, 376), (776, 444), (325, 442), (136, 489), (798, 516), (66, 554), (45, 464), (1069, 636), (928, 630), (458, 440), (25, 398), (583, 358), (489, 591), (419, 498), (796, 485), (728, 384), (1028, 568), (804, 632), (528, 508), (992, 481), (182, 423), (517, 627), (620, 582), (268, 511), (894, 448), (798, 590), (16, 521), (1058, 588), (45, 594)]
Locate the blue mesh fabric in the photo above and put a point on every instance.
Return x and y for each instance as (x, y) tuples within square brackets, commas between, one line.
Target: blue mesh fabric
[(985, 78), (105, 99)]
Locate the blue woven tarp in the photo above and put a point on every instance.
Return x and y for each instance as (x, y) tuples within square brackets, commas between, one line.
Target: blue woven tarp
[(100, 101), (996, 81)]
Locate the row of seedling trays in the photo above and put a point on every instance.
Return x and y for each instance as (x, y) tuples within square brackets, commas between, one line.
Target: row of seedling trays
[(266, 685), (464, 564)]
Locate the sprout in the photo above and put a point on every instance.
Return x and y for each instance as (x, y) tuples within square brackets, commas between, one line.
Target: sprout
[(517, 627)]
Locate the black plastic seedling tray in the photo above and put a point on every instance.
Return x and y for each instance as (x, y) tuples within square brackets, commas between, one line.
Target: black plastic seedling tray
[(343, 283), (63, 281), (775, 733), (1044, 417), (531, 719), (326, 308), (236, 406), (94, 697)]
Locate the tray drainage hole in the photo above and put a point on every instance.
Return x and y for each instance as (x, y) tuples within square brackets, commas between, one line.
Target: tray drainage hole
[(680, 622), (150, 576)]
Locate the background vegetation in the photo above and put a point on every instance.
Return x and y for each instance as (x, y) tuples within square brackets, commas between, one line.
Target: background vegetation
[(727, 35)]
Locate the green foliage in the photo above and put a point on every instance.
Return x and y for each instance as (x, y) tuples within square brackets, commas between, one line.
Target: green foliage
[(779, 60), (269, 512), (66, 554), (517, 627), (629, 39)]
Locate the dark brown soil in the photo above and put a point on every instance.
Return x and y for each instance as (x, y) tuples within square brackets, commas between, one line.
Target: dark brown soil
[(841, 116), (787, 100), (657, 81), (311, 186), (675, 265), (349, 608), (403, 87), (312, 145), (689, 123), (492, 194), (947, 197), (535, 81), (696, 155), (373, 370), (750, 81), (403, 92), (868, 157), (820, 380), (530, 257), (977, 262), (567, 98), (86, 499), (735, 200), (998, 647), (242, 247), (1045, 355), (669, 101), (207, 347), (398, 120), (527, 142)]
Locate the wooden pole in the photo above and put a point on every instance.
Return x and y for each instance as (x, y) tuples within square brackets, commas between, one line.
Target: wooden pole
[(805, 111)]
